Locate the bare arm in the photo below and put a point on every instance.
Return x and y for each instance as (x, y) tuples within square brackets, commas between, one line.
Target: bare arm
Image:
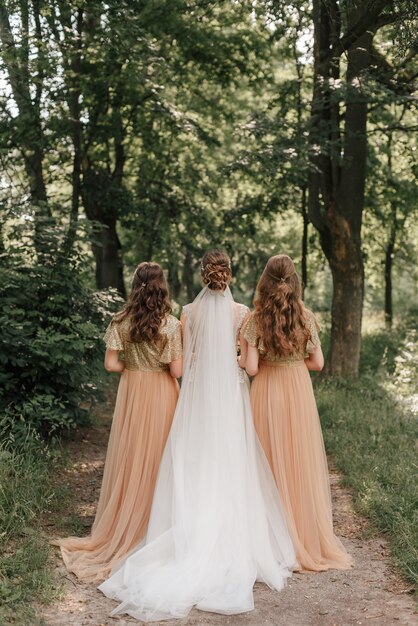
[(315, 360), (176, 368), (242, 359), (251, 364), (112, 362)]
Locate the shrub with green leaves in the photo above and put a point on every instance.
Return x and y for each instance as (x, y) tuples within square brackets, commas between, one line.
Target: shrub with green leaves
[(51, 324)]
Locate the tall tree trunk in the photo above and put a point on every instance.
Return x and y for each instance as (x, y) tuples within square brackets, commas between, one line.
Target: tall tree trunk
[(74, 95), (108, 255), (390, 246), (389, 256), (30, 136), (97, 193), (299, 138), (69, 33), (188, 276), (337, 181), (33, 158), (347, 304), (305, 219), (389, 252), (2, 246), (345, 254), (174, 281)]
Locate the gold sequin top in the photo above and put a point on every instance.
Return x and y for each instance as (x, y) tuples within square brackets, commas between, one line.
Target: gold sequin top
[(146, 356), (309, 340)]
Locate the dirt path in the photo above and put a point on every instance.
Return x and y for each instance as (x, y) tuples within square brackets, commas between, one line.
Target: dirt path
[(373, 593)]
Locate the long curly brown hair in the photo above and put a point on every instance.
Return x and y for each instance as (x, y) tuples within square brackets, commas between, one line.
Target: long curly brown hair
[(279, 311), (216, 270), (148, 303)]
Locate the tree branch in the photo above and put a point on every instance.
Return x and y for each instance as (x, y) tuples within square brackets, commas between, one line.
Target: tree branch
[(11, 59), (367, 20), (397, 127), (41, 55)]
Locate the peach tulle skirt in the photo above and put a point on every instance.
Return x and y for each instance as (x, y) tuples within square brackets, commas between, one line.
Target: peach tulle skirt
[(144, 410), (287, 423)]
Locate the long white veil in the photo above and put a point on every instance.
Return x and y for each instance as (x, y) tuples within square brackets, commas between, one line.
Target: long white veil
[(216, 522)]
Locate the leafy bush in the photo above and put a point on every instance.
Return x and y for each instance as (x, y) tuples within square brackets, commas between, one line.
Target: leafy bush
[(51, 327)]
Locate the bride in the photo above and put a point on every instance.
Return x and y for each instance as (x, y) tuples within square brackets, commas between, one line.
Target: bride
[(216, 523)]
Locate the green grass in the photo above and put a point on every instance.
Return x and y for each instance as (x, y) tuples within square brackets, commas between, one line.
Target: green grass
[(72, 525), (370, 429), (25, 498)]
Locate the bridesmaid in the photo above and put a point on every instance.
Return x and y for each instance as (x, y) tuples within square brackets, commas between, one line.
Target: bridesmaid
[(280, 344), (150, 339)]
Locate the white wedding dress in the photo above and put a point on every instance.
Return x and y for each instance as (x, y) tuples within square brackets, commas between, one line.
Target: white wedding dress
[(216, 523)]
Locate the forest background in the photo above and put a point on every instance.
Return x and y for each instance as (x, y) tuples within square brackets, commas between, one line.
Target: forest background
[(154, 130)]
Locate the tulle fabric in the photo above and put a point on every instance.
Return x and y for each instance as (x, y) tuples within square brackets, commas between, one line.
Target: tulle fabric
[(216, 523), (143, 415), (287, 423)]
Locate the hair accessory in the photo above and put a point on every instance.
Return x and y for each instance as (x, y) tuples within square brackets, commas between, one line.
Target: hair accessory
[(282, 280)]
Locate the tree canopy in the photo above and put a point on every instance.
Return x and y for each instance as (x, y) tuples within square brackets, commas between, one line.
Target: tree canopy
[(172, 127)]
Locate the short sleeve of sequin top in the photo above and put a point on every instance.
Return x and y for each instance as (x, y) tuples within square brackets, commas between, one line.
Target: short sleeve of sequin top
[(313, 328), (173, 348), (249, 331), (112, 337)]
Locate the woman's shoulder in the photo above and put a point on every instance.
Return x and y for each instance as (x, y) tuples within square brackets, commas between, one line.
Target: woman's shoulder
[(116, 332), (186, 308), (251, 318), (312, 328), (171, 325), (306, 309), (242, 313), (310, 316), (250, 330), (118, 317), (120, 321), (241, 307)]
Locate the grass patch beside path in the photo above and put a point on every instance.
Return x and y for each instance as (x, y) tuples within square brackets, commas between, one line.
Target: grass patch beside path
[(26, 497), (370, 428)]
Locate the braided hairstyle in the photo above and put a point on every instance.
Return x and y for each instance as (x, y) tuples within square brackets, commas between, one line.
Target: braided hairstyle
[(216, 270), (279, 311), (148, 303)]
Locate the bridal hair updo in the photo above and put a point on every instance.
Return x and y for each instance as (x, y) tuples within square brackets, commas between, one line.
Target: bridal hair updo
[(279, 311), (148, 303), (216, 270)]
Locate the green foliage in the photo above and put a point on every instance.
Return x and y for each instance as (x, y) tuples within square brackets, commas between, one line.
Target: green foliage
[(26, 496), (192, 121), (51, 327), (371, 433)]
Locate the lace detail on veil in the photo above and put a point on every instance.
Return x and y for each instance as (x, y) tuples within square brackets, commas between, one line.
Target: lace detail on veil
[(243, 312), (186, 311)]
